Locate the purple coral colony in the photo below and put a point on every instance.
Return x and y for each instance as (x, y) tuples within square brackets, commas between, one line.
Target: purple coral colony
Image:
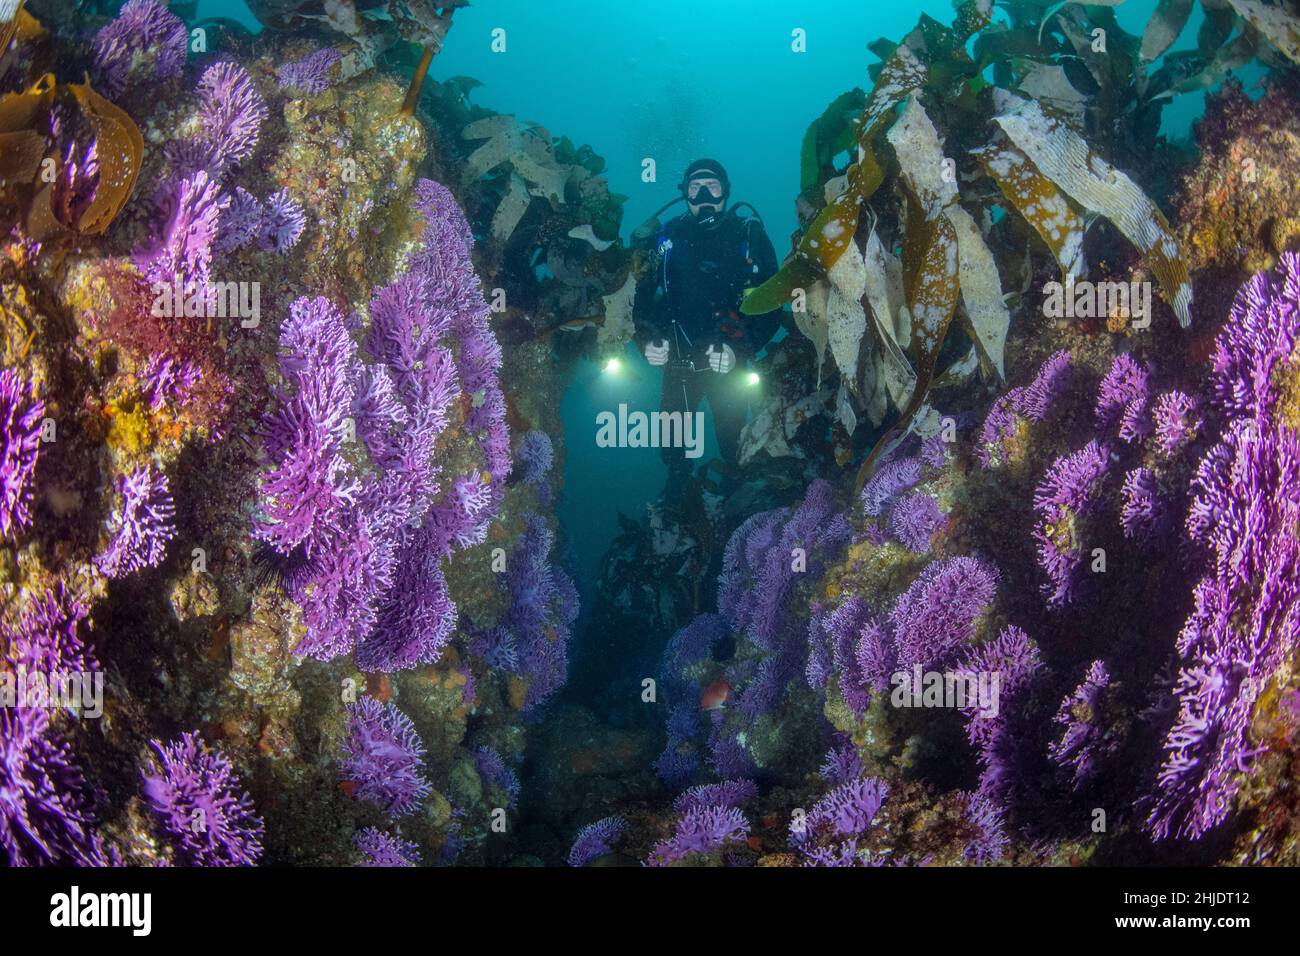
[(283, 578)]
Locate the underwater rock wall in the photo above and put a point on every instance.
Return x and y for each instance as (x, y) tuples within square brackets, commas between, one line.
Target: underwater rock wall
[(284, 339), (1086, 524), (258, 417), (1134, 598)]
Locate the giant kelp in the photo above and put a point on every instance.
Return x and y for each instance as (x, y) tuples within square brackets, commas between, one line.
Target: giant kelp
[(1033, 115)]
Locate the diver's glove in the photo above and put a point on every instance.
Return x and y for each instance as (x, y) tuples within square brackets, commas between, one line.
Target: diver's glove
[(722, 361), (656, 353)]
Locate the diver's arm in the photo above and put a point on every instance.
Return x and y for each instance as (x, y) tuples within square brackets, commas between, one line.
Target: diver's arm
[(648, 307)]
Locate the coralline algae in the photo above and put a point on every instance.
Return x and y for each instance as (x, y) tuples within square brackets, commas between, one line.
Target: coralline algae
[(281, 454)]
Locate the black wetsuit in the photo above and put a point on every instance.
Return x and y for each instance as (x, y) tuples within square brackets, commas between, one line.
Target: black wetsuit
[(702, 267)]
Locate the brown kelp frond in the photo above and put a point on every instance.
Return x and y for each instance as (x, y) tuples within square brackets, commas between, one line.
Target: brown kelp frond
[(417, 82), (970, 134), (119, 150), (70, 178)]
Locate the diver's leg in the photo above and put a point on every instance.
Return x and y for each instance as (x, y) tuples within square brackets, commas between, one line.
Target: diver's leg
[(681, 393), (729, 402)]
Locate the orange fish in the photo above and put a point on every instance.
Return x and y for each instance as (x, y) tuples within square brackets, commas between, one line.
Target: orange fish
[(715, 695)]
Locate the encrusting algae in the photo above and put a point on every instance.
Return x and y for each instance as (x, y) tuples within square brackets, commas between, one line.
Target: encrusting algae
[(291, 331)]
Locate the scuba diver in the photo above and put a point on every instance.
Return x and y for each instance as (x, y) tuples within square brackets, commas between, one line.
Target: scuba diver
[(688, 319)]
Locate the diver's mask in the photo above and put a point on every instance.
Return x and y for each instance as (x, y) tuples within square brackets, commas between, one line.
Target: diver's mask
[(705, 195)]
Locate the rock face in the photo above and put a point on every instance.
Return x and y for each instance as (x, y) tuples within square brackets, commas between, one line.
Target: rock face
[(200, 632)]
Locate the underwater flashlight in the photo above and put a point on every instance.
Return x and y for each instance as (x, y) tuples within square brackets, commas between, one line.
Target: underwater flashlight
[(752, 378), (612, 366)]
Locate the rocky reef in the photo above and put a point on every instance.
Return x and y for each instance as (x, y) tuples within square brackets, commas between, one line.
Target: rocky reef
[(268, 473), (1008, 571)]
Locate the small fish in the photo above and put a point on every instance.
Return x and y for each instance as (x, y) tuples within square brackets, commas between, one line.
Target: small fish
[(575, 325), (714, 697)]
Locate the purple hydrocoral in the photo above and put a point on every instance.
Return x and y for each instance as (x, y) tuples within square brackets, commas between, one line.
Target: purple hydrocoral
[(165, 381), (383, 757), (383, 850), (929, 623), (874, 657), (48, 636), (1085, 742), (834, 638), (893, 478), (145, 41), (762, 563), (935, 451), (1176, 421), (1002, 739), (534, 457), (310, 486), (1245, 508), (190, 210), (195, 795), (492, 768), (531, 639), (1050, 382), (999, 425), (1124, 391), (914, 519), (72, 193), (676, 765), (700, 830), (766, 686), (242, 222), (836, 855), (446, 260), (728, 754), (688, 653), (817, 668), (374, 542), (846, 811), (768, 553), (416, 619), (1135, 423), (841, 765), (728, 793), (1033, 402), (282, 222), (311, 74), (187, 156), (936, 614), (20, 440), (1068, 493), (990, 839), (142, 525), (231, 112), (595, 839), (276, 225), (1144, 514), (44, 816)]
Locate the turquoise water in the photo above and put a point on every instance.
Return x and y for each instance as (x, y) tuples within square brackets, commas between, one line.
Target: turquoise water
[(673, 80), (318, 571)]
